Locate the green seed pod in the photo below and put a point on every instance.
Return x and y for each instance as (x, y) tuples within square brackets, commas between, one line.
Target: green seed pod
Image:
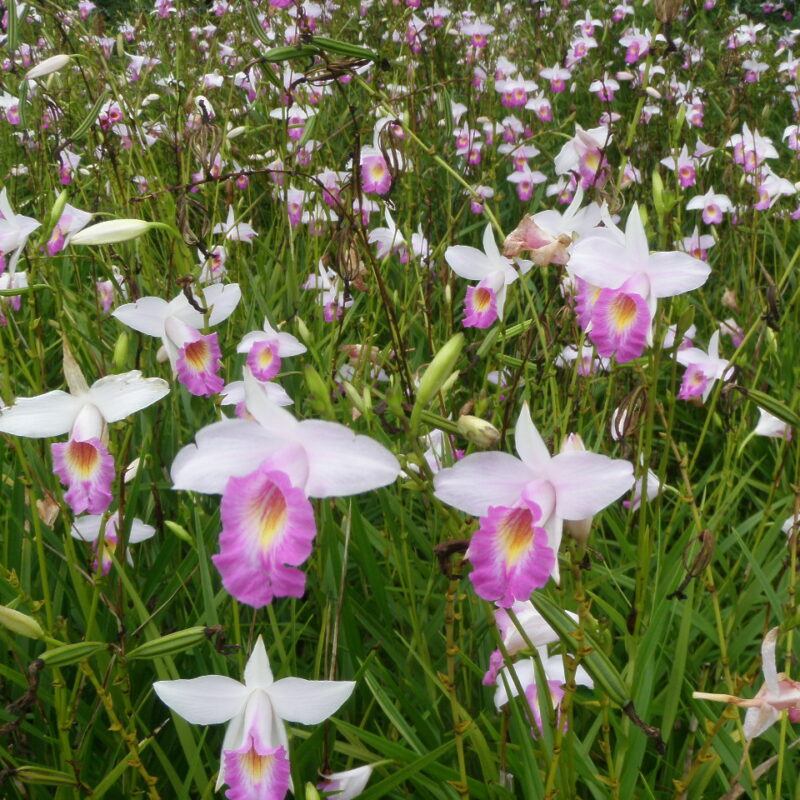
[(70, 653), (43, 776), (179, 531), (438, 372), (170, 644)]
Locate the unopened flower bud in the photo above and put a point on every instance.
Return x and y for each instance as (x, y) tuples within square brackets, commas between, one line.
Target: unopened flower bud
[(573, 444), (478, 431), (20, 623), (48, 66), (112, 231)]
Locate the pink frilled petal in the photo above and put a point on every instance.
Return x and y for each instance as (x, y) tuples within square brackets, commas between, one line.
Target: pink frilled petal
[(620, 324), (529, 443), (481, 305), (675, 273), (694, 383), (308, 702), (586, 299), (50, 414), (87, 469), (198, 363), (510, 554), (341, 463), (469, 262), (585, 483), (268, 529), (264, 360), (482, 480), (146, 315), (256, 771), (224, 449), (118, 396), (203, 701)]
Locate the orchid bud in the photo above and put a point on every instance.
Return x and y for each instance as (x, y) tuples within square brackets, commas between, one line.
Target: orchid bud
[(311, 792), (439, 370), (120, 352), (573, 444), (112, 231), (68, 654), (178, 530), (478, 431), (20, 623), (320, 397), (48, 66), (658, 193), (302, 329)]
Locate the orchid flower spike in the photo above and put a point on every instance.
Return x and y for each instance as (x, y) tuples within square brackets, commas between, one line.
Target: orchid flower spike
[(522, 503), (255, 750), (83, 463)]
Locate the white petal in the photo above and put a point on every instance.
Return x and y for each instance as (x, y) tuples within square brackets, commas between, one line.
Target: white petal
[(342, 463), (224, 449), (758, 719), (224, 298), (675, 273), (87, 527), (269, 415), (636, 238), (482, 480), (468, 262), (257, 672), (529, 443), (50, 414), (203, 701), (585, 483), (146, 315), (140, 532), (768, 664), (308, 702), (118, 396)]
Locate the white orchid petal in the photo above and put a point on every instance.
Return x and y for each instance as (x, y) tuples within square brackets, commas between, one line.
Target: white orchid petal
[(586, 483), (203, 701), (341, 463), (482, 480), (469, 262), (50, 414), (119, 396), (257, 672), (529, 443), (308, 702), (146, 315)]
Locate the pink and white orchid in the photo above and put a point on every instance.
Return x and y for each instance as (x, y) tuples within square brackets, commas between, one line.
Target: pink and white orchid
[(194, 357), (14, 232), (522, 503), (255, 750), (623, 283), (265, 348), (266, 469), (484, 303), (779, 693), (83, 463)]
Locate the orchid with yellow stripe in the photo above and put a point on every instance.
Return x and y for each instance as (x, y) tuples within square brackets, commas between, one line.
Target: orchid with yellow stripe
[(255, 750), (195, 357), (522, 503), (484, 303), (83, 463), (622, 282), (266, 468)]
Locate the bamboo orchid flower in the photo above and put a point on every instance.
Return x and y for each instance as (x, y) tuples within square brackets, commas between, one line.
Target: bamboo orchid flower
[(484, 302), (266, 469), (703, 370), (778, 693), (83, 463), (14, 232), (255, 750), (265, 349), (104, 538), (522, 503), (194, 357), (346, 785), (622, 282)]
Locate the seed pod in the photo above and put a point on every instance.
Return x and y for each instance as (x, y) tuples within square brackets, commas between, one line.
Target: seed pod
[(170, 644), (70, 653), (478, 431), (43, 776)]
